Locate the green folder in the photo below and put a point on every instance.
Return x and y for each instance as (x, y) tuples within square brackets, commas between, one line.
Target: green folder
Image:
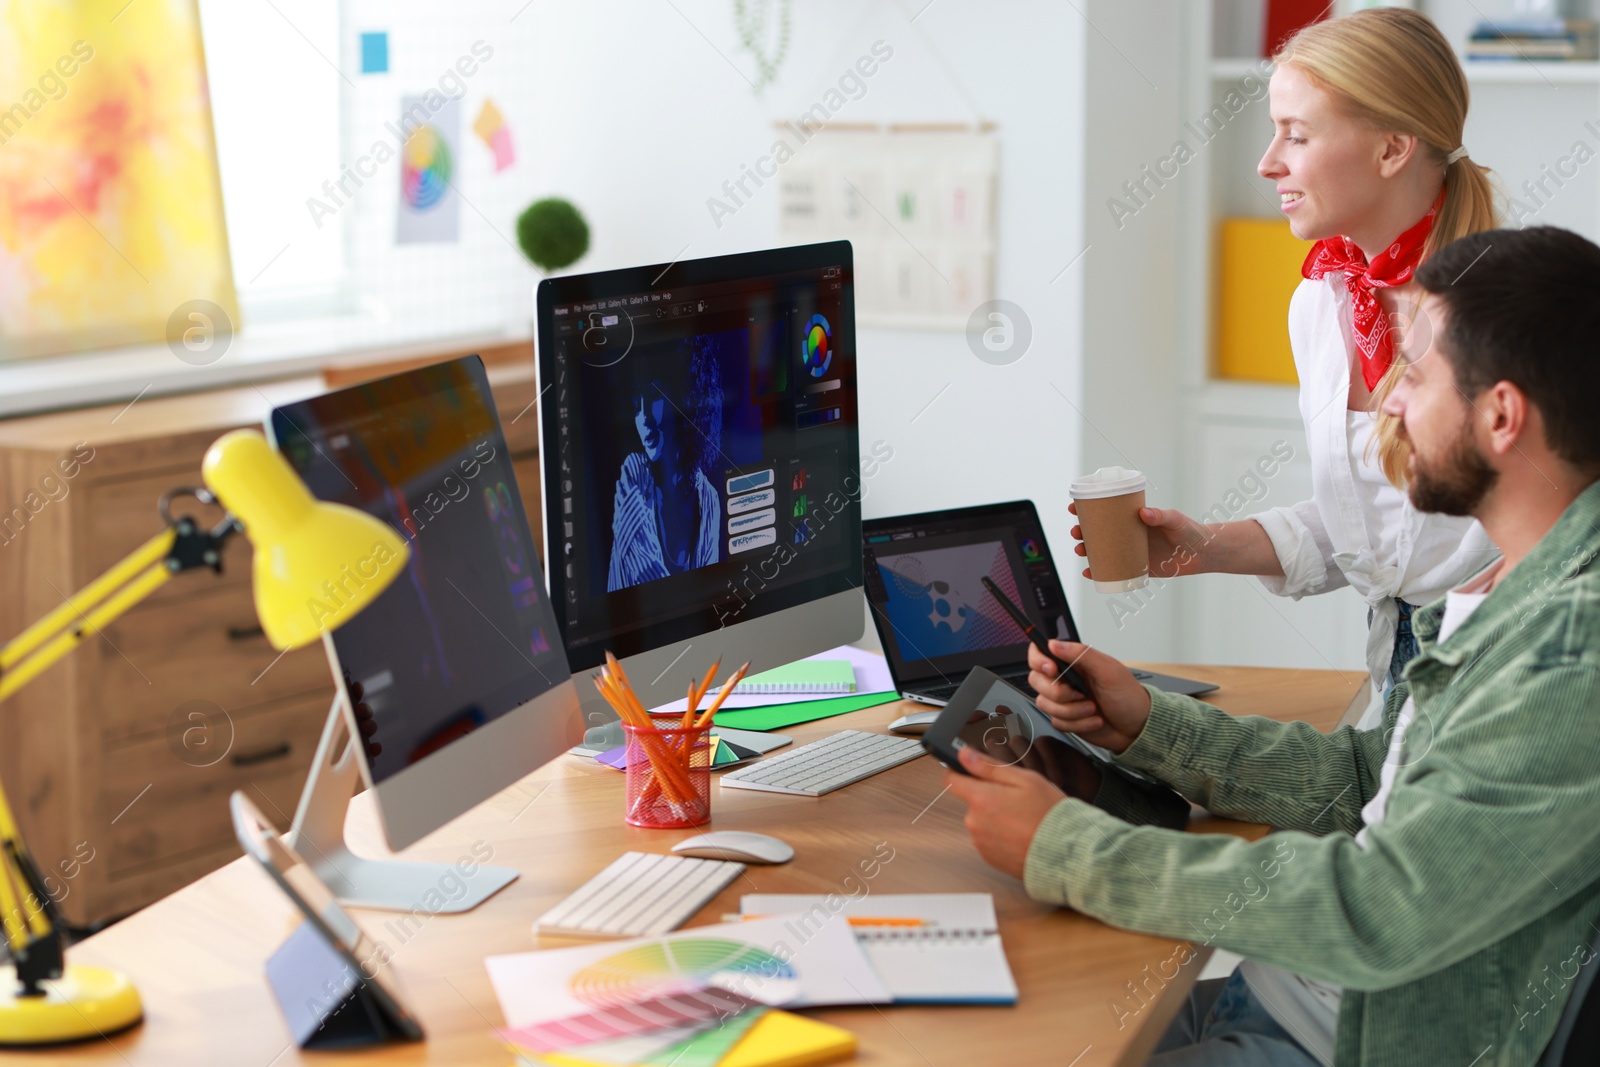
[(777, 716)]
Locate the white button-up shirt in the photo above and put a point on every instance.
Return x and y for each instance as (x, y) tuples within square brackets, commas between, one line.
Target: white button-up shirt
[(1357, 529)]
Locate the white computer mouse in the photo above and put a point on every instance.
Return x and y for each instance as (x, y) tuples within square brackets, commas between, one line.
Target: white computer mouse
[(738, 845), (915, 723)]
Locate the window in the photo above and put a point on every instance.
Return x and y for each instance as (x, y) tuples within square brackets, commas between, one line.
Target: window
[(276, 102)]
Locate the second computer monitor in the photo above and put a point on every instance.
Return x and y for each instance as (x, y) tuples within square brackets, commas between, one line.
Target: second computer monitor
[(458, 659), (701, 464)]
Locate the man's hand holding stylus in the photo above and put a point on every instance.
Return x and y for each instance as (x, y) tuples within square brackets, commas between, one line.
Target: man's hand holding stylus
[(1119, 710)]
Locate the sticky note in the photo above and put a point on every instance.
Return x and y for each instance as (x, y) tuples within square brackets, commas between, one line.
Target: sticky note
[(492, 130), (374, 53), (504, 154), (488, 123)]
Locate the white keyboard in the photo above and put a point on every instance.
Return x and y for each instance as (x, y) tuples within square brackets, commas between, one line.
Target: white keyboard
[(823, 766), (640, 895)]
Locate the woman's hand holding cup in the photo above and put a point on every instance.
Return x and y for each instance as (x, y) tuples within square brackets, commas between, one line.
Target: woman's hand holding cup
[(1177, 543)]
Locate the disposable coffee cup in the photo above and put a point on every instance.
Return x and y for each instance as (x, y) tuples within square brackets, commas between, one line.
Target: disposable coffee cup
[(1108, 503)]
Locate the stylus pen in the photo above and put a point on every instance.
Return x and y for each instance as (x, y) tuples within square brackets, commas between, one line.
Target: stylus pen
[(1072, 677)]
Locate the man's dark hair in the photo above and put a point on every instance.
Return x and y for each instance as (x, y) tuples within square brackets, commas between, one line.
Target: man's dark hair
[(1524, 307)]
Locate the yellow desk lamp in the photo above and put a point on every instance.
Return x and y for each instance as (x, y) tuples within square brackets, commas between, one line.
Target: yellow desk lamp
[(303, 548)]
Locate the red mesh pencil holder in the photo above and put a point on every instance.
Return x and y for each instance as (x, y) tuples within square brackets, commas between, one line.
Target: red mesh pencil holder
[(666, 788)]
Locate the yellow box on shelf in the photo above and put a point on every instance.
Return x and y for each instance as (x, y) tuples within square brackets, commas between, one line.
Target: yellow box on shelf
[(1259, 261)]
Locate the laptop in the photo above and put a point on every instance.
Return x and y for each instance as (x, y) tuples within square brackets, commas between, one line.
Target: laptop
[(923, 578)]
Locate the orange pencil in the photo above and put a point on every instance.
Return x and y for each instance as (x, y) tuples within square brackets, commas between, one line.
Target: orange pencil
[(852, 920), (722, 694), (675, 784), (700, 694), (697, 693)]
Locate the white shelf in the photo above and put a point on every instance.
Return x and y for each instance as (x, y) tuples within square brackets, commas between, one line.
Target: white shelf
[(1518, 72), (1240, 401), (1232, 68), (1479, 71)]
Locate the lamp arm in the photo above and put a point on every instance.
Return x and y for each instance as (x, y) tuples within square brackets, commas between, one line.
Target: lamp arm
[(73, 608), (29, 922), (183, 545)]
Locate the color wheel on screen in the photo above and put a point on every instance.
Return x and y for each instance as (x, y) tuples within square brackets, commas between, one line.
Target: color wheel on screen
[(662, 968), (818, 346)]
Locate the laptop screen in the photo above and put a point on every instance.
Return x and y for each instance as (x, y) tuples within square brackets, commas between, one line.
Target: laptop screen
[(923, 576)]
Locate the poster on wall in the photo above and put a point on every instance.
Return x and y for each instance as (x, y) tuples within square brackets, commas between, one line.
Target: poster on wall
[(429, 208), (917, 204), (111, 220)]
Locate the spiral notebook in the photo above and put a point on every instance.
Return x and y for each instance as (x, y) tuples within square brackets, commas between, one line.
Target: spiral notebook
[(824, 677), (928, 948)]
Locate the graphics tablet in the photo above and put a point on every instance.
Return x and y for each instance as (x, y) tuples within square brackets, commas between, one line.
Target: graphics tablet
[(997, 719)]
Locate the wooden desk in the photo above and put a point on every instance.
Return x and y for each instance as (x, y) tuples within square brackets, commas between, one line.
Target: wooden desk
[(197, 955)]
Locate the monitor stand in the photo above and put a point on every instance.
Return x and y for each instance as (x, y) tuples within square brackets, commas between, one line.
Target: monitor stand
[(390, 885)]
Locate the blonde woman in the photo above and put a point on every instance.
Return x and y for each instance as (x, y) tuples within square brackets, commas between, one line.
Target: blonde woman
[(1367, 114)]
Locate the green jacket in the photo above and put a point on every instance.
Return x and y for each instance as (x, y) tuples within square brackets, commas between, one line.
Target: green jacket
[(1457, 929)]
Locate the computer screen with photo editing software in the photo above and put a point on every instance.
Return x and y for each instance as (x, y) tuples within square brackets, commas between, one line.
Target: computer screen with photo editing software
[(701, 445)]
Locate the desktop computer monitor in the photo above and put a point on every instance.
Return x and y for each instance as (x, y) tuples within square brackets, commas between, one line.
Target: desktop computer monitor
[(701, 459), (460, 658)]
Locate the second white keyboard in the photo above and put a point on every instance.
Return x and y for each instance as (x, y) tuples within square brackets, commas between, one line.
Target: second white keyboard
[(641, 894), (823, 766)]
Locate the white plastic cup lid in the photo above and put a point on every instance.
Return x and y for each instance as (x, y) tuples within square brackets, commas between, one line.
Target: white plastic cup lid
[(1107, 481)]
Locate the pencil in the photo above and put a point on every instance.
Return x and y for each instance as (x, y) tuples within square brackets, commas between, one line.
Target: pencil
[(722, 695), (676, 785)]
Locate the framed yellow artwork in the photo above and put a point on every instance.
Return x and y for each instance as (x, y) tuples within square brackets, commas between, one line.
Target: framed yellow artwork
[(111, 223)]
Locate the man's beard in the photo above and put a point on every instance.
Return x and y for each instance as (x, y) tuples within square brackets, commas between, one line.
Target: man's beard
[(1456, 484)]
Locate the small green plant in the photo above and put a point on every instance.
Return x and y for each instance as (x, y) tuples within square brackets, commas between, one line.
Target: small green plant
[(552, 234)]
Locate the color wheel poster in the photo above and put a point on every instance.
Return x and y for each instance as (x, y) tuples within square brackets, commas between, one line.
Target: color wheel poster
[(796, 962), (429, 208)]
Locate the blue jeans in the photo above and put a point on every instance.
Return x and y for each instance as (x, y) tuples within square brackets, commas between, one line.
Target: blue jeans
[(1223, 1023), (1405, 646)]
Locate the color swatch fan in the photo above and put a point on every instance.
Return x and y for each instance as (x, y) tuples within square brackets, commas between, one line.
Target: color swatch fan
[(662, 968), (773, 961)]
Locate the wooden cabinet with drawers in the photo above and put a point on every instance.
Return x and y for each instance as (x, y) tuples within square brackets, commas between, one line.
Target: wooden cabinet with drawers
[(120, 758)]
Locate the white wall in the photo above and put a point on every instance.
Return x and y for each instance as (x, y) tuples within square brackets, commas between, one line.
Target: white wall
[(1130, 384), (638, 111), (643, 129)]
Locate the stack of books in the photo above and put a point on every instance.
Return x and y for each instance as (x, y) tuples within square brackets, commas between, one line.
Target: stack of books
[(1527, 39)]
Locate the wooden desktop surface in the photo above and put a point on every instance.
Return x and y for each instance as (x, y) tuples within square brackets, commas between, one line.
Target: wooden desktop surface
[(197, 955)]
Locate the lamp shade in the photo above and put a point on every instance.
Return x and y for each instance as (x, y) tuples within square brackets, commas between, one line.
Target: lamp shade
[(317, 564)]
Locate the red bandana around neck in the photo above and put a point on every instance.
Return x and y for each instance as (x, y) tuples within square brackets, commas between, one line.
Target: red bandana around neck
[(1393, 266)]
